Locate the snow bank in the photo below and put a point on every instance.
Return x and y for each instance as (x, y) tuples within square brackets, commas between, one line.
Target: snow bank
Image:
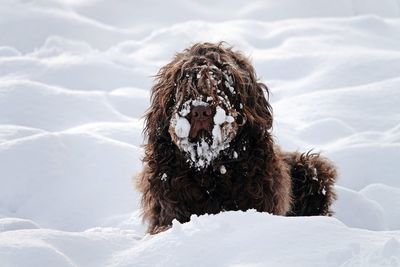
[(74, 83), (270, 241), (254, 239)]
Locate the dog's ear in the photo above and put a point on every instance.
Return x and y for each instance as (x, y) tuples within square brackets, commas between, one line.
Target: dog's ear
[(253, 94), (162, 100), (256, 107)]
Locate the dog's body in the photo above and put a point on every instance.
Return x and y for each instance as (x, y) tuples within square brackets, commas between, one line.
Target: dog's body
[(210, 149)]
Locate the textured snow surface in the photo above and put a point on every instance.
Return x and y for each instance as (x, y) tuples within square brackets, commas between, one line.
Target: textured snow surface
[(74, 83)]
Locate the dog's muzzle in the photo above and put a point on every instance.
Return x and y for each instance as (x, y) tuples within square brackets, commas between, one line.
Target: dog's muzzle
[(201, 121)]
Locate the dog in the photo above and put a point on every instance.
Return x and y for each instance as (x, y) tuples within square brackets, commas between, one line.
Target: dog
[(209, 145)]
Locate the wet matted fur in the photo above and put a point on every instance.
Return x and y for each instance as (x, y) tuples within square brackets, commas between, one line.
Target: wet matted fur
[(235, 165)]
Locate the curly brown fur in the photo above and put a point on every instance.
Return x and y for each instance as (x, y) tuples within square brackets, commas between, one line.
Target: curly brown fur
[(313, 178), (178, 181)]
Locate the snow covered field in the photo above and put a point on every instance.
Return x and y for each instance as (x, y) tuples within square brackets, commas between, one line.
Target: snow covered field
[(74, 82)]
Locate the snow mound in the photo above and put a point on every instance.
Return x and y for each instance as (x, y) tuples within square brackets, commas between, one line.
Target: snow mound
[(361, 165), (389, 199), (356, 210), (270, 241), (13, 224)]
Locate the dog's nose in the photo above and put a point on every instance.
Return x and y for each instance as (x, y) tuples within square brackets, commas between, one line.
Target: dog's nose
[(201, 118), (201, 113)]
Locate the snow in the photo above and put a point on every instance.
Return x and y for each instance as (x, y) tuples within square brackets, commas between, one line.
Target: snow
[(261, 245), (13, 224), (74, 85), (220, 116), (182, 127), (222, 169), (199, 103), (164, 177), (201, 152)]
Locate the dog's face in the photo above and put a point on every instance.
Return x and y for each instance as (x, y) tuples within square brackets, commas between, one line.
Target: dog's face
[(203, 98), (207, 113)]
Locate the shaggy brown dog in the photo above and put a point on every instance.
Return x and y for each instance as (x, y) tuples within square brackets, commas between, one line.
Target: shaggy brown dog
[(210, 149)]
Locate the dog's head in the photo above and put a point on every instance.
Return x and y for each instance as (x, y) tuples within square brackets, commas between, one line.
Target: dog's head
[(203, 98)]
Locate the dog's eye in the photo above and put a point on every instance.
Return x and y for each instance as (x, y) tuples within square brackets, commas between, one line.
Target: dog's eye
[(240, 119)]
